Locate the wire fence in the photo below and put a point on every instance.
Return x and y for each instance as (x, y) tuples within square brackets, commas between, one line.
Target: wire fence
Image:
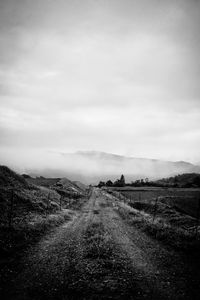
[(185, 202)]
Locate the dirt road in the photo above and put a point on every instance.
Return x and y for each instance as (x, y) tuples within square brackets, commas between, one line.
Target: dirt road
[(98, 256)]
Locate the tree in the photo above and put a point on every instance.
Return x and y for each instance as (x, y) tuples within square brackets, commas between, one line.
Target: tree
[(101, 183), (109, 183), (122, 180), (196, 180)]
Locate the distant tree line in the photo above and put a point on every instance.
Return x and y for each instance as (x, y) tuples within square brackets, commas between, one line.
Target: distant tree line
[(187, 180), (118, 183)]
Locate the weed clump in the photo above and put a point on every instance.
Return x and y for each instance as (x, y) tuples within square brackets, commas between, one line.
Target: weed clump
[(97, 242)]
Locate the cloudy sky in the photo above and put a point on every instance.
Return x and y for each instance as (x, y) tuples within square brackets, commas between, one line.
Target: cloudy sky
[(118, 76)]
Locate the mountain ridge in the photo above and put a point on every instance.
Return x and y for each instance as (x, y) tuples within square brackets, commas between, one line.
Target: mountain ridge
[(103, 153), (90, 167)]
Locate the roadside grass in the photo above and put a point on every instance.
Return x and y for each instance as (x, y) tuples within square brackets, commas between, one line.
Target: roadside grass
[(20, 236), (178, 237), (75, 203), (31, 215), (29, 225), (165, 212), (16, 240), (183, 199)]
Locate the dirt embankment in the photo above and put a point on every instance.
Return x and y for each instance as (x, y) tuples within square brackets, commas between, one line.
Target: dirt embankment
[(98, 255)]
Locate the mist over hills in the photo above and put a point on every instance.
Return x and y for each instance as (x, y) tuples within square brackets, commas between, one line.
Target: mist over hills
[(93, 166)]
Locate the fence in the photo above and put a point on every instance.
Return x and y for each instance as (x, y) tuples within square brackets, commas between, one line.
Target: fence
[(184, 201)]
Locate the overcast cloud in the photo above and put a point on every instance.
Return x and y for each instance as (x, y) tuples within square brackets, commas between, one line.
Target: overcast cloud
[(118, 76)]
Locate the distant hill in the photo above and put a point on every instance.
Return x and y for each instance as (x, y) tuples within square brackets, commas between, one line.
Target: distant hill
[(93, 166), (101, 165), (58, 183), (80, 185)]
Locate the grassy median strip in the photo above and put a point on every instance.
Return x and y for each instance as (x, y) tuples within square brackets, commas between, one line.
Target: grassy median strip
[(97, 242)]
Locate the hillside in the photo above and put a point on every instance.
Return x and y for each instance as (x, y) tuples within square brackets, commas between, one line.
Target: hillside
[(21, 202), (30, 206), (9, 178), (182, 180), (59, 184), (33, 195), (79, 184)]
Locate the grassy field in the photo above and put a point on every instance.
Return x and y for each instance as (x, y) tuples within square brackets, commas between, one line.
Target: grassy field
[(186, 200)]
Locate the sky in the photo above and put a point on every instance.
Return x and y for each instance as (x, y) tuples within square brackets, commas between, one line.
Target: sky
[(120, 76)]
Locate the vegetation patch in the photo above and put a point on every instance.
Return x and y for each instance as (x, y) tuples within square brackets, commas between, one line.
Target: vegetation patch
[(28, 211), (97, 242), (29, 231), (166, 231), (166, 213)]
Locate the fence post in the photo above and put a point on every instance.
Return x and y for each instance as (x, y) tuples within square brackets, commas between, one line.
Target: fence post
[(48, 205), (60, 202), (139, 197), (197, 220), (155, 209), (11, 209)]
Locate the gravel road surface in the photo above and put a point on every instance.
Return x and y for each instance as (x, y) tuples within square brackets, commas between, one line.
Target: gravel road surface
[(97, 255)]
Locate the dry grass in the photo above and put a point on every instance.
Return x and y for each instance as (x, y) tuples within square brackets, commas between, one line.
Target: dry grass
[(184, 199), (168, 214), (159, 228), (29, 231)]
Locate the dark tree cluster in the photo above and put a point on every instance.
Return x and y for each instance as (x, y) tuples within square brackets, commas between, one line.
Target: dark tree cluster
[(187, 180), (118, 183), (140, 182)]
